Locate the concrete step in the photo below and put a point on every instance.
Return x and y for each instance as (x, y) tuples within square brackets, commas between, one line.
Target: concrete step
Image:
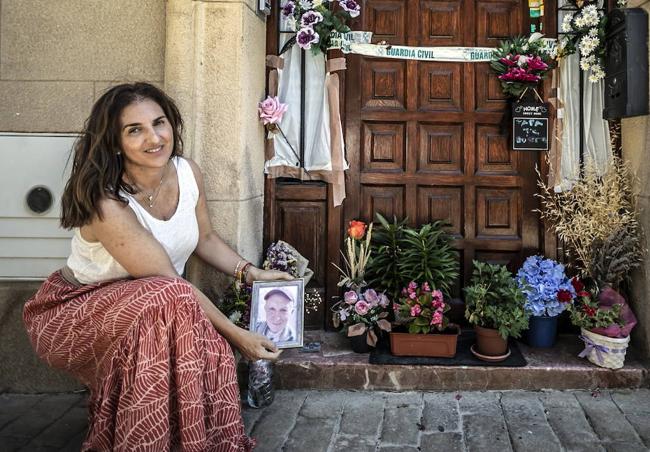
[(337, 367)]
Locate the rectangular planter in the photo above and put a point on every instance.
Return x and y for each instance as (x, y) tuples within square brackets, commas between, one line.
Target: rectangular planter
[(434, 345)]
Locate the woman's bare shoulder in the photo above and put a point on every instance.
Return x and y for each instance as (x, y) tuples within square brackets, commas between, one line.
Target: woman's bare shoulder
[(111, 213)]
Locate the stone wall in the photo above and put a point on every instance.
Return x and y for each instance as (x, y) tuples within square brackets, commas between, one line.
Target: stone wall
[(57, 57), (636, 145)]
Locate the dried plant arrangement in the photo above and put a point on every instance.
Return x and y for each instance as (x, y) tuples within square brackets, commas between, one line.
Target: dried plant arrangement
[(597, 210)]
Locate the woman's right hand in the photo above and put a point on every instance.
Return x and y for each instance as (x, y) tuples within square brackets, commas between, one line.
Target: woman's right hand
[(255, 346)]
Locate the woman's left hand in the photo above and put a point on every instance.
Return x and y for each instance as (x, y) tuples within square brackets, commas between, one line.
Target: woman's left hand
[(258, 274)]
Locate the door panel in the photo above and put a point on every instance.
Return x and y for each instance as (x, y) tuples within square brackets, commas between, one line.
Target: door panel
[(425, 140)]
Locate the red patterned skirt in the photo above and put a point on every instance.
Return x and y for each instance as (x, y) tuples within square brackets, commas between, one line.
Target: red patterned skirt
[(160, 376)]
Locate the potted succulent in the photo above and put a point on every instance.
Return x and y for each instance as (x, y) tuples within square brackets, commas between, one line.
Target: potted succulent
[(605, 322), (362, 311), (422, 310), (548, 292), (494, 304)]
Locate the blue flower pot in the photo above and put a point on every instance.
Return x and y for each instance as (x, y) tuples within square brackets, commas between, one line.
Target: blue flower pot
[(542, 331)]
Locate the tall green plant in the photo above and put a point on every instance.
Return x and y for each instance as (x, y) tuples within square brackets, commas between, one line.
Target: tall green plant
[(493, 300), (382, 272), (402, 254)]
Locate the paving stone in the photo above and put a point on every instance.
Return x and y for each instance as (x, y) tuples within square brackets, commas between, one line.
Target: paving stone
[(59, 433), (447, 442), (12, 406), (74, 445), (399, 449), (440, 413), (11, 443), (622, 446), (363, 414), (311, 436), (483, 423), (641, 423), (277, 420), (49, 409), (632, 402), (606, 419), (402, 419), (356, 443), (529, 430), (568, 421), (250, 417), (324, 404)]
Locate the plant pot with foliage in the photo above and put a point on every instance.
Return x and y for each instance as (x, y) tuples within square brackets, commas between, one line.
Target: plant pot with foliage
[(402, 254), (597, 219), (605, 321), (362, 311), (494, 304), (424, 328), (548, 292)]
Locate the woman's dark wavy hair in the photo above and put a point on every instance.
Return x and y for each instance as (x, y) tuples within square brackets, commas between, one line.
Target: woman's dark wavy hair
[(98, 166)]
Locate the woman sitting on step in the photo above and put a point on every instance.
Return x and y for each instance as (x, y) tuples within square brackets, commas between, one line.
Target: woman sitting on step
[(149, 345)]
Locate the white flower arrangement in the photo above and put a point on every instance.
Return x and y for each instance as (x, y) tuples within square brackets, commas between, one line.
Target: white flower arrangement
[(585, 31)]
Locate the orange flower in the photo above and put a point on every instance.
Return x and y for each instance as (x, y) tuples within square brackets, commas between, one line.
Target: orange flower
[(357, 229)]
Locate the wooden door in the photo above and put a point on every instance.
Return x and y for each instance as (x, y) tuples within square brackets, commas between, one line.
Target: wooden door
[(424, 139)]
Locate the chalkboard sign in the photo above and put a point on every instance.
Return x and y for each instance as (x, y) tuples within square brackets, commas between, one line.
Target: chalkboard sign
[(530, 126)]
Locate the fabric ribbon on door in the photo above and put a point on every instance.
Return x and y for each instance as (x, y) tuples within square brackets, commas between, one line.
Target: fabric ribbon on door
[(324, 153)]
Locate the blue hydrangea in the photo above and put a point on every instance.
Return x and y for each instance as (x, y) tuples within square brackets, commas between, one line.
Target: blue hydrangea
[(540, 280)]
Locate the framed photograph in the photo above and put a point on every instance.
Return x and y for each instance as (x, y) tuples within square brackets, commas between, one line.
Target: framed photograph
[(277, 311)]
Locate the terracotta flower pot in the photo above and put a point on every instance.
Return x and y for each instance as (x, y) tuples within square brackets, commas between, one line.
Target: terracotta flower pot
[(490, 342), (434, 345)]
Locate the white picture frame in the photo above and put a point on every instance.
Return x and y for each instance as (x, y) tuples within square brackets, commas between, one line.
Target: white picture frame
[(277, 311)]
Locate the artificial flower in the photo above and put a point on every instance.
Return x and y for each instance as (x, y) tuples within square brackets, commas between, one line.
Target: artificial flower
[(310, 18), (416, 310), (350, 297), (351, 6), (306, 37), (357, 229), (271, 110), (361, 307)]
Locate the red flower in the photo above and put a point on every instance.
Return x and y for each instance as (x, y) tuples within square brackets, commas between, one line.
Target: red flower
[(589, 311), (584, 293), (564, 296), (357, 229), (577, 284)]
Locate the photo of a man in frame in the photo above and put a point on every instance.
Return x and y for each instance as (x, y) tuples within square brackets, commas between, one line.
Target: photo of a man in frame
[(279, 307)]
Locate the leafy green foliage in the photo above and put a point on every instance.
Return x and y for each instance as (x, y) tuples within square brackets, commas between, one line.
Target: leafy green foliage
[(493, 300), (402, 254), (382, 271)]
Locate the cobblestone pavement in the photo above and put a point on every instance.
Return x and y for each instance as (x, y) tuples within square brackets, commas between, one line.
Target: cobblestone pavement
[(617, 420)]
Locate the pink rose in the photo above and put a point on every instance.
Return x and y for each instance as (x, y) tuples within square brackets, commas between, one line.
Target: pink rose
[(437, 318), (412, 295), (271, 110), (416, 310), (413, 285), (426, 287), (350, 297), (361, 307), (436, 295), (371, 297)]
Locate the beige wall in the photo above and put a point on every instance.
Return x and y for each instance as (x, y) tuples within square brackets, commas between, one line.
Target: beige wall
[(636, 146), (57, 56)]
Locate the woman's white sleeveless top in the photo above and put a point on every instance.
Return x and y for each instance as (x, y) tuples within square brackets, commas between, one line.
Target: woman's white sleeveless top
[(91, 263)]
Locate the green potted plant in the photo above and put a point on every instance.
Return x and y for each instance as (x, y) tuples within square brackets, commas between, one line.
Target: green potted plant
[(494, 304), (422, 310), (402, 254)]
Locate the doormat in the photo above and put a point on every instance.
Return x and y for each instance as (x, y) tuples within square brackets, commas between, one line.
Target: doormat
[(464, 356)]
